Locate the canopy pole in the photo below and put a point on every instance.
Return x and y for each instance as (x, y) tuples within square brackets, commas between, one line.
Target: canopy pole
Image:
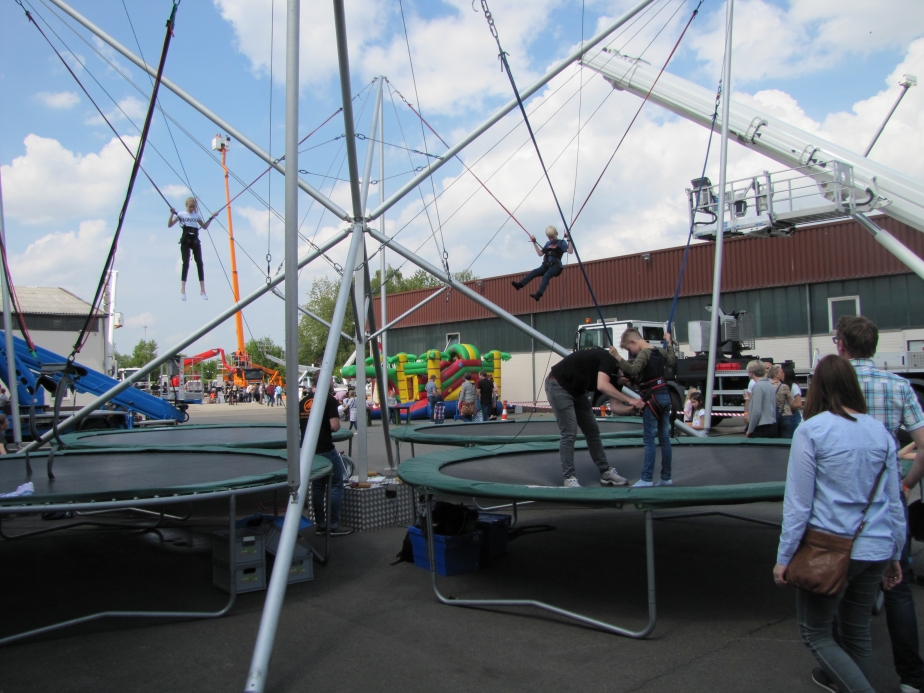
[(383, 286), (293, 442), (13, 385), (720, 223)]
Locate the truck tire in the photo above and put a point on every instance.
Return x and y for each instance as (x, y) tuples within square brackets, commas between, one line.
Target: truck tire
[(94, 424)]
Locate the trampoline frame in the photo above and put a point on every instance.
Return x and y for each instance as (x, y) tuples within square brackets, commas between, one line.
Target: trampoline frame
[(141, 505), (646, 505)]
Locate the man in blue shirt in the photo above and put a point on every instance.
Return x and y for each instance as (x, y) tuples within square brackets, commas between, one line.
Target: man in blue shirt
[(891, 400), (551, 253)]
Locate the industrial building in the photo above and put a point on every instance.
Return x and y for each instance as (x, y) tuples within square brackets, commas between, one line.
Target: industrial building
[(795, 287)]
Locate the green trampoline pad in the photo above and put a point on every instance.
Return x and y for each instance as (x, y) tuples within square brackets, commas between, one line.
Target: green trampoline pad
[(724, 471), (106, 476)]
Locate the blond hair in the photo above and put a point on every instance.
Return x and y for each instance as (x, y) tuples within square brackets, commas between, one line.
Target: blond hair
[(628, 336), (551, 231), (188, 200)]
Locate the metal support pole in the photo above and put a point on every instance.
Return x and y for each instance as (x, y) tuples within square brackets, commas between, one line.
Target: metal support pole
[(381, 378), (361, 458), (892, 244), (110, 326), (720, 223), (204, 110), (466, 291), (185, 342), (408, 312), (907, 82), (13, 385), (559, 67), (383, 289), (275, 594), (370, 152), (293, 444)]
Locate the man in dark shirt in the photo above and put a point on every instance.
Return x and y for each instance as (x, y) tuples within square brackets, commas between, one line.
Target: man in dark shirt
[(566, 388), (325, 447), (486, 395)]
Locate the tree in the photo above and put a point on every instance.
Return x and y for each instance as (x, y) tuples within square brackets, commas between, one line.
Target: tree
[(312, 335), (258, 348), (421, 279), (144, 351)]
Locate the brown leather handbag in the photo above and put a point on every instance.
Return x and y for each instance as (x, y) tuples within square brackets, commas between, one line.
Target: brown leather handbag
[(821, 562)]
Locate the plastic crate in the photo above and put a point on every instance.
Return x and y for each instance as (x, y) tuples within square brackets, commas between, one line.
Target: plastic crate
[(456, 554), (274, 533), (495, 534), (249, 546), (249, 578), (301, 570)]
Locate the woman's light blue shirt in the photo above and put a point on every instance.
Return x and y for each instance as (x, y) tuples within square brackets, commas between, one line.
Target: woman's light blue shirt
[(833, 465)]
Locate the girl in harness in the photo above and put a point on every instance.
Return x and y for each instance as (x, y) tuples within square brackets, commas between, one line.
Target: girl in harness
[(647, 370), (191, 221), (551, 253)]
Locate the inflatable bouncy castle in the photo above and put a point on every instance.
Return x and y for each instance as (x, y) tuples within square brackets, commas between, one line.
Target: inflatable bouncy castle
[(408, 375)]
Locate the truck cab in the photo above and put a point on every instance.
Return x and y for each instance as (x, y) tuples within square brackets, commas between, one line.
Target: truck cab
[(590, 334)]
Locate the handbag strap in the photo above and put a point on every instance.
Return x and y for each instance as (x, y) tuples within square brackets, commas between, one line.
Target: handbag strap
[(869, 501)]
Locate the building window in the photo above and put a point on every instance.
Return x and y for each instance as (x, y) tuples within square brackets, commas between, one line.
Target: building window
[(841, 306), (452, 338), (916, 345)]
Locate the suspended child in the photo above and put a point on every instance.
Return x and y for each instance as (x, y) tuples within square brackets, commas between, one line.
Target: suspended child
[(551, 253), (191, 221)]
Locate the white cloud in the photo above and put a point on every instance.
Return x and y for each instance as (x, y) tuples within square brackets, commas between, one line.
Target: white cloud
[(59, 100), (174, 191), (83, 185), (65, 258), (128, 108), (805, 36), (146, 319)]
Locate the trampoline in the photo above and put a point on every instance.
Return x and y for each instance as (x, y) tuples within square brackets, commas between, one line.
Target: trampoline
[(725, 471), (503, 432), (270, 436), (105, 480)]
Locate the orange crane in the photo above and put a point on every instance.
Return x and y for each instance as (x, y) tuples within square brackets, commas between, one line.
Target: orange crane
[(242, 369)]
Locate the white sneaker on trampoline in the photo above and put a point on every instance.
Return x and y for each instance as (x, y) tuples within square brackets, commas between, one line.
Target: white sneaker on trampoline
[(611, 478), (641, 483), (571, 482), (665, 482)]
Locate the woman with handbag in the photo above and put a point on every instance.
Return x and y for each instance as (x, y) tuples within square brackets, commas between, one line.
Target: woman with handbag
[(843, 525), (784, 402)]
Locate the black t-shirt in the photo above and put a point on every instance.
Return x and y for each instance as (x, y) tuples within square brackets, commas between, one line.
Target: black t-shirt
[(325, 437), (577, 372), (486, 388)]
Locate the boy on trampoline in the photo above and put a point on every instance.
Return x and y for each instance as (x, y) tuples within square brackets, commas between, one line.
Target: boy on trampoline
[(566, 389), (551, 254), (190, 221)]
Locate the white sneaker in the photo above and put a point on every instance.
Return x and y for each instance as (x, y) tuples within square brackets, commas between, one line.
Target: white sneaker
[(641, 483), (665, 482), (182, 297), (611, 478), (204, 297), (571, 482)]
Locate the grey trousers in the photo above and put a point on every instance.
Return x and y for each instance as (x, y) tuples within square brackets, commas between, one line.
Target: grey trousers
[(571, 412)]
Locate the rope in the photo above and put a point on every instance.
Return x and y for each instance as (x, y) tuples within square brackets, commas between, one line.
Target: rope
[(94, 306), (502, 55), (15, 300), (269, 181)]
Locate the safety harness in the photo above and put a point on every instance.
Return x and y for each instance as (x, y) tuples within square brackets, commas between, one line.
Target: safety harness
[(653, 380)]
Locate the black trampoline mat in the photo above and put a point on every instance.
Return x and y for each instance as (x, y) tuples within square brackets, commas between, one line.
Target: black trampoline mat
[(102, 474), (692, 465), (514, 429)]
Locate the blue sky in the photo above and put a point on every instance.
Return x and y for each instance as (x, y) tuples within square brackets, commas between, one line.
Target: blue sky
[(829, 68)]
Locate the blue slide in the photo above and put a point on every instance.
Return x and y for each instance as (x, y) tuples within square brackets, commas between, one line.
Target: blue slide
[(28, 368)]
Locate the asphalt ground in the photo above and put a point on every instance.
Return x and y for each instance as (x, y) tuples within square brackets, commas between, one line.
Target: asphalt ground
[(365, 625)]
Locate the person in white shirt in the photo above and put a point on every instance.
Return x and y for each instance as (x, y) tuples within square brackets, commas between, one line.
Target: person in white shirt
[(190, 221)]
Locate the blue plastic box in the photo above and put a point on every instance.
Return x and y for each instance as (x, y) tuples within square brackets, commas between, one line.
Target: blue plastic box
[(454, 554), (495, 534)]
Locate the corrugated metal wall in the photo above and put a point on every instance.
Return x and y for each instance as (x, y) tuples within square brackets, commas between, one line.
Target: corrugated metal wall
[(838, 251)]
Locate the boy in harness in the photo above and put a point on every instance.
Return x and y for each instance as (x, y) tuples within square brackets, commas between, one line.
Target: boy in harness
[(551, 254), (647, 371)]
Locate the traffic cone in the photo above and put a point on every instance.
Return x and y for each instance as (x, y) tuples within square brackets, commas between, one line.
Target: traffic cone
[(504, 411)]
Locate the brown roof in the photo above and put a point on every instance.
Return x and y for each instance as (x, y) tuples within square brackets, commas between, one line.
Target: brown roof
[(825, 252)]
